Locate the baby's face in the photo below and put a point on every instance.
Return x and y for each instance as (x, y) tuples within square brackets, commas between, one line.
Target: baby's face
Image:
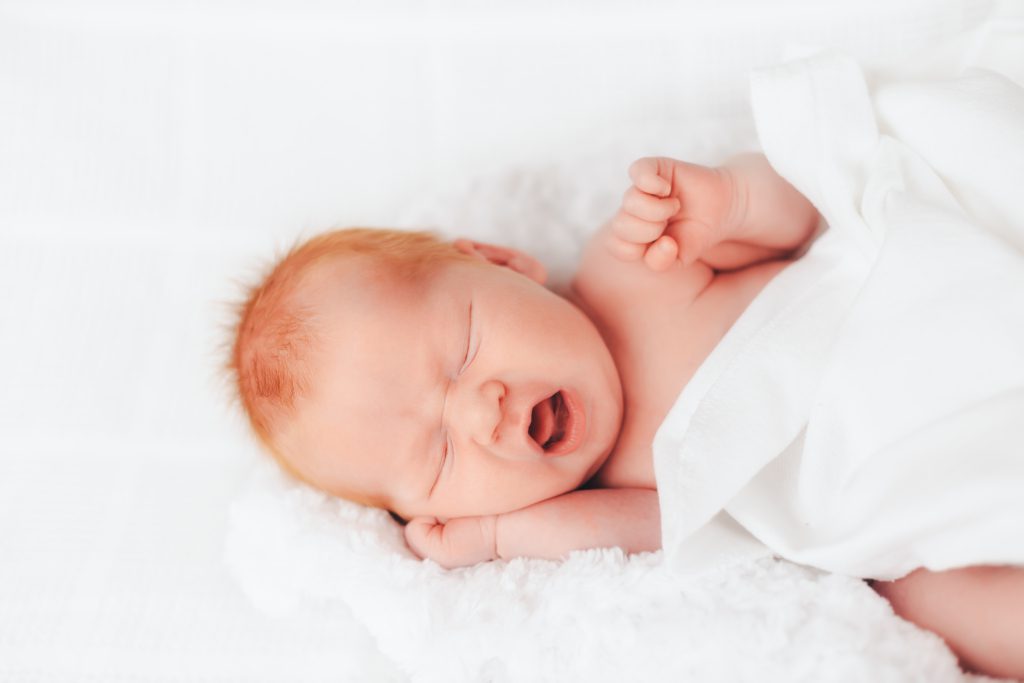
[(476, 392)]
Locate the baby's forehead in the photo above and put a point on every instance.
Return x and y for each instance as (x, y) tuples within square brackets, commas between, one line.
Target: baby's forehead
[(379, 292), (355, 277), (378, 358), (361, 278), (366, 310)]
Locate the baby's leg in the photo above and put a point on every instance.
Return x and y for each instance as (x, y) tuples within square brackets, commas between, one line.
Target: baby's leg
[(978, 611)]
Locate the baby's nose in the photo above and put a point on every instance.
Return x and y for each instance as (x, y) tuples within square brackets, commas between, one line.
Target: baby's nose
[(483, 409)]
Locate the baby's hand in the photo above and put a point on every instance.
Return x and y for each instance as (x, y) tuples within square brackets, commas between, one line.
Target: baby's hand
[(673, 210), (459, 542)]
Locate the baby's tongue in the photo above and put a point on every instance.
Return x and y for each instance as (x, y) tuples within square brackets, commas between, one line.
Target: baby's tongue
[(543, 423)]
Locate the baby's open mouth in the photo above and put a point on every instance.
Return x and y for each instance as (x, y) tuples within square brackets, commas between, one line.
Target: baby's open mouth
[(549, 420)]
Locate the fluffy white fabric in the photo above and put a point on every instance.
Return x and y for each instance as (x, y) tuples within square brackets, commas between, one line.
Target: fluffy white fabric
[(721, 609), (863, 416), (596, 616)]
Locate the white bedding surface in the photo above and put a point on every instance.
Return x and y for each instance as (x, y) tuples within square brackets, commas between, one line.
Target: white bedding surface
[(597, 615)]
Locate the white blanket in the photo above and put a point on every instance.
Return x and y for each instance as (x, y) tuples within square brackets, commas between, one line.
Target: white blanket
[(597, 616), (866, 413)]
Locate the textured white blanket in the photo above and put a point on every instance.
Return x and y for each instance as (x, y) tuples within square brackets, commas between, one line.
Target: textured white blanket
[(864, 415), (598, 616)]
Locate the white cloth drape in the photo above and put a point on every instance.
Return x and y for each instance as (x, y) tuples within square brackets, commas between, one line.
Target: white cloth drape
[(866, 413)]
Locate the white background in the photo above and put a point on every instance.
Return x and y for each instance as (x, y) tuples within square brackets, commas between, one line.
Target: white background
[(153, 153)]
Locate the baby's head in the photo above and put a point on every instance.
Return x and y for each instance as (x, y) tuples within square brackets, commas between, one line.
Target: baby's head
[(425, 377)]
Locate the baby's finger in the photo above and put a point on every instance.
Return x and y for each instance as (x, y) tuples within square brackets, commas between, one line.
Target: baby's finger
[(651, 175), (633, 229), (422, 535), (694, 239), (648, 207), (623, 250), (661, 254)]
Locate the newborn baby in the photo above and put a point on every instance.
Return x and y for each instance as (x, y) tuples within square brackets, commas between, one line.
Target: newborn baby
[(445, 383)]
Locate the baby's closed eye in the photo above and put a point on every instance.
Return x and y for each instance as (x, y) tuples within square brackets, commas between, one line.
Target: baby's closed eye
[(471, 347)]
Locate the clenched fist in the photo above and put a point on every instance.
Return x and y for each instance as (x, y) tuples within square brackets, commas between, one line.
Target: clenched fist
[(674, 211), (458, 542)]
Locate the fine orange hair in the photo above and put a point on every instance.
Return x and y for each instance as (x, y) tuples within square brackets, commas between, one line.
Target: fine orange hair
[(273, 338)]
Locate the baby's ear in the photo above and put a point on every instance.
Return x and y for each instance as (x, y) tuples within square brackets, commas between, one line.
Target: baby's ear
[(522, 263)]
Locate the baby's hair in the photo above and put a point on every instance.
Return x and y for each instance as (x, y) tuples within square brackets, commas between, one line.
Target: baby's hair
[(274, 336)]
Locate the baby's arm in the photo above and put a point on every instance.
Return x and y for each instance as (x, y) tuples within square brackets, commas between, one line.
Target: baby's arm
[(978, 611), (728, 217), (589, 518)]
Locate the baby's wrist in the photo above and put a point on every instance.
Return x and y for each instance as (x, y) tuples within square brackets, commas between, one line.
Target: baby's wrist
[(489, 526), (736, 195)]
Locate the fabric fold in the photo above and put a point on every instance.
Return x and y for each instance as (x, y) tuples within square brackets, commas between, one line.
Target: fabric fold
[(863, 405)]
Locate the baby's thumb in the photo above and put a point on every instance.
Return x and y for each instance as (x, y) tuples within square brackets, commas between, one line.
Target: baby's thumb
[(693, 239)]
